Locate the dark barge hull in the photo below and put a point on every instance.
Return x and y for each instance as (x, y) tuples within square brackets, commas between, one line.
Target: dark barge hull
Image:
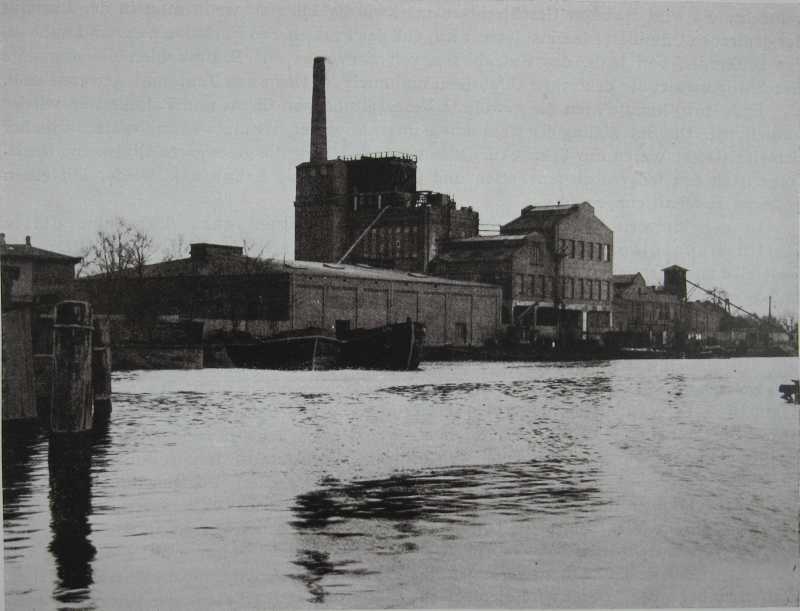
[(397, 346), (301, 352)]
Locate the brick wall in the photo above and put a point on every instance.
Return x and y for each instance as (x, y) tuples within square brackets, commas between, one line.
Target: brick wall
[(265, 304), (451, 313)]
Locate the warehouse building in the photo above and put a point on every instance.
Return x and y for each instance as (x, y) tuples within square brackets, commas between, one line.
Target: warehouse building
[(228, 292)]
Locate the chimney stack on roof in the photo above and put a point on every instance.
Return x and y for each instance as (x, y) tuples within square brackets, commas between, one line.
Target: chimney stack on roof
[(2, 239), (28, 241), (319, 133)]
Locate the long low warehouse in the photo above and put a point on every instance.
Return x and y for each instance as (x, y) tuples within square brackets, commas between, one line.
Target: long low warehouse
[(227, 291)]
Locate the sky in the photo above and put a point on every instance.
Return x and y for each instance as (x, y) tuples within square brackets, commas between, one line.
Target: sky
[(679, 122)]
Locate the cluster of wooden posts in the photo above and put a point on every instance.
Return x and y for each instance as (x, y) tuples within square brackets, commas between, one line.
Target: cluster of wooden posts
[(57, 368)]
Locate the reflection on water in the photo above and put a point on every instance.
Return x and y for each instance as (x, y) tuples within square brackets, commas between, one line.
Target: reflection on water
[(583, 388), (22, 446), (70, 462), (70, 459), (432, 502)]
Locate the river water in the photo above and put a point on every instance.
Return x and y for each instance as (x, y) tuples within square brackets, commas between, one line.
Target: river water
[(612, 484)]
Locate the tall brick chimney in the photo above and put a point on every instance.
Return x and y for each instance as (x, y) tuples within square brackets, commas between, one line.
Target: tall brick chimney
[(319, 131)]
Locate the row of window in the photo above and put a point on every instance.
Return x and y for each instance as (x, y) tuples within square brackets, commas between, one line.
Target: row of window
[(587, 289), (580, 249), (391, 242)]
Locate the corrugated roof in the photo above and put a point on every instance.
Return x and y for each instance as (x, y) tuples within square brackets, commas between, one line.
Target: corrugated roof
[(235, 265), (32, 252), (373, 273)]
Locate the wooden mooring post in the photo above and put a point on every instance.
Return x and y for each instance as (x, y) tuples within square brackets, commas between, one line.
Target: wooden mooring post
[(19, 398), (71, 404), (101, 368)]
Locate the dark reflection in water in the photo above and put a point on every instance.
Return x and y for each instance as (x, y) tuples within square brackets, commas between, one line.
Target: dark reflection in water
[(22, 445), (584, 388), (318, 565), (432, 502), (70, 465)]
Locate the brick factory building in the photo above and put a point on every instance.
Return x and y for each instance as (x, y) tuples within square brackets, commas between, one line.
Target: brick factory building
[(368, 208), (661, 315), (554, 264), (226, 291)]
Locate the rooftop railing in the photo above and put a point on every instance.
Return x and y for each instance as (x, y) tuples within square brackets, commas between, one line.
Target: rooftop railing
[(381, 155)]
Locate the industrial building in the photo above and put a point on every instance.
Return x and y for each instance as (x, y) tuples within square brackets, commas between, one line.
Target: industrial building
[(367, 209), (661, 315), (554, 264), (228, 292)]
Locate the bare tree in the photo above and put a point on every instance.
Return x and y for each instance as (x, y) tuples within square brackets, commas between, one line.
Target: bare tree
[(119, 248)]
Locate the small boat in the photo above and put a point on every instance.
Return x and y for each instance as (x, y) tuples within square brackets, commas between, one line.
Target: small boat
[(397, 346), (311, 349), (790, 392)]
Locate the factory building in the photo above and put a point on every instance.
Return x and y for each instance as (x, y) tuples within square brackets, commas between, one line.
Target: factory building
[(554, 264), (367, 209), (228, 292), (661, 315)]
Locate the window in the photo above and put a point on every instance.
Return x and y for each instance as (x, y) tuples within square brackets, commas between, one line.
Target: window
[(582, 249), (536, 254), (591, 250), (531, 285), (597, 285), (572, 249), (323, 170), (562, 246), (572, 288)]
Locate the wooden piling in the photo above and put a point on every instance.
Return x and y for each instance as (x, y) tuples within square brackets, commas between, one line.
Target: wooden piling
[(19, 399), (101, 368), (71, 408)]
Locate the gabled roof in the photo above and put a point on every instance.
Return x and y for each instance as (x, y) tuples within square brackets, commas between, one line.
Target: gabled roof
[(541, 218), (26, 251), (484, 248), (623, 280)]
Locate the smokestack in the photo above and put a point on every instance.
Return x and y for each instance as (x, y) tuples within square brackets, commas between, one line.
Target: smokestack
[(319, 130)]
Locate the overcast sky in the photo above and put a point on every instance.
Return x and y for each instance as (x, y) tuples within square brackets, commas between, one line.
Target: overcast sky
[(678, 122)]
